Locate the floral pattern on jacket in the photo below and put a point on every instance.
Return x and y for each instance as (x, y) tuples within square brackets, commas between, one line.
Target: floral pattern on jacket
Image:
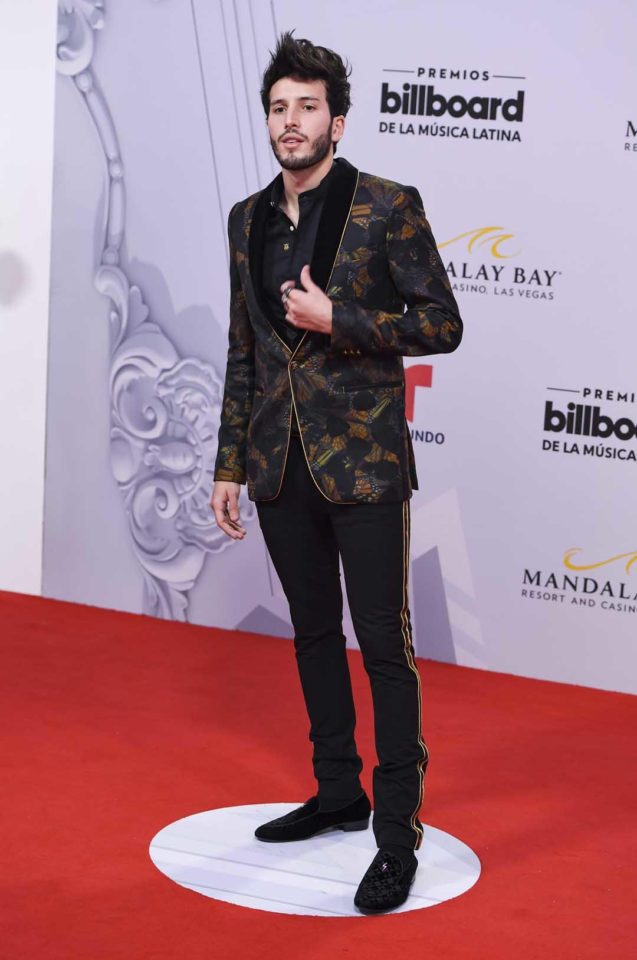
[(377, 260)]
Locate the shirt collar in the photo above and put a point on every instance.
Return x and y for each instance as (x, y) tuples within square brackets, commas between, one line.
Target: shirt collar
[(308, 197)]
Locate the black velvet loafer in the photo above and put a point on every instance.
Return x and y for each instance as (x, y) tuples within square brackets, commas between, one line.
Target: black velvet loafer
[(308, 820), (386, 884)]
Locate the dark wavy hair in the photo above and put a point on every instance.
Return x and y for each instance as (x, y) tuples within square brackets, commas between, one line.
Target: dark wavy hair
[(302, 60)]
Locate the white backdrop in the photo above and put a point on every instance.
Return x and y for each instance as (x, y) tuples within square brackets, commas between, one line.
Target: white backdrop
[(524, 534)]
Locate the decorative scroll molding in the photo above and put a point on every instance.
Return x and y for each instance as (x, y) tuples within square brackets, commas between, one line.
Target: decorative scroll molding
[(77, 19), (164, 408)]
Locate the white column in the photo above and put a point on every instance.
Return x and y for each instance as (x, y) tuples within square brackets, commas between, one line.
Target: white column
[(27, 87)]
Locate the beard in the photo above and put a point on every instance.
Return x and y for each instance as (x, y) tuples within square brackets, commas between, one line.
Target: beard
[(319, 149)]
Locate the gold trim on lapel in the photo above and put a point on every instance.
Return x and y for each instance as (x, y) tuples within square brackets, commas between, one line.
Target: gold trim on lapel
[(335, 217), (338, 250), (296, 351), (256, 242)]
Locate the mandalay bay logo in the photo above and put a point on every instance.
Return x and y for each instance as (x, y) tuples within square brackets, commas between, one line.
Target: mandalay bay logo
[(480, 263), (608, 584)]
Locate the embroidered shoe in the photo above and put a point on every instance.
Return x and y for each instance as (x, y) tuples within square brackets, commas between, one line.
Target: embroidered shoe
[(386, 884), (308, 820)]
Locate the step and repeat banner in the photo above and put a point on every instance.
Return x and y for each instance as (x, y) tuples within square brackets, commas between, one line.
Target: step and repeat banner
[(519, 129)]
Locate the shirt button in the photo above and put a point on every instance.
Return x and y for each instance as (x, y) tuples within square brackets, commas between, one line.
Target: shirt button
[(291, 227)]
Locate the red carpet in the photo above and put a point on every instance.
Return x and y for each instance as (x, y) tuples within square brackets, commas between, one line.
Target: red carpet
[(116, 725)]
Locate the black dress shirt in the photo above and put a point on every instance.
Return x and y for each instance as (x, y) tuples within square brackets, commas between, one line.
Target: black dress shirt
[(287, 250)]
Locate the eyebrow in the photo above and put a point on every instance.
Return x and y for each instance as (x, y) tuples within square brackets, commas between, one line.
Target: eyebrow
[(283, 100)]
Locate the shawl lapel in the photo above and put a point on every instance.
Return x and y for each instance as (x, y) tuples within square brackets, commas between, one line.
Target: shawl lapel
[(334, 217)]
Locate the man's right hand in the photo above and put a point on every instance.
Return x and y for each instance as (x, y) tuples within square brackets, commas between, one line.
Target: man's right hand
[(225, 504)]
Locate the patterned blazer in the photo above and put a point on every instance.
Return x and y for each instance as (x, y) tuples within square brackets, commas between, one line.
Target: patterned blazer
[(376, 259)]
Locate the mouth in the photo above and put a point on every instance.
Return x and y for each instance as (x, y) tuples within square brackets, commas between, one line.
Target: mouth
[(289, 141)]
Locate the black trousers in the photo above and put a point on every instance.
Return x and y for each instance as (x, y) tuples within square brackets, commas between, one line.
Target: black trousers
[(305, 534)]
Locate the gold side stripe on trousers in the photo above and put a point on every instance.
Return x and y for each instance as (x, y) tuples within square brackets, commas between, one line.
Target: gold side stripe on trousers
[(412, 666)]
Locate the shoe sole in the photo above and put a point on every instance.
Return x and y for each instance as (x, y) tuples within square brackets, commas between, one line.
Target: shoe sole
[(349, 827)]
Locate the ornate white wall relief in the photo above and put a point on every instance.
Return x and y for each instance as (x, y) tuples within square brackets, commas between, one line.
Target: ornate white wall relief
[(164, 407)]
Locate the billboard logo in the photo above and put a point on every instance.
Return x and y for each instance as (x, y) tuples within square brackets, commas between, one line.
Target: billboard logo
[(584, 420), (420, 100), (577, 423), (437, 108)]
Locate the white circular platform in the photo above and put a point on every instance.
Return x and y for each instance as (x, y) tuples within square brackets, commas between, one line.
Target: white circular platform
[(215, 853)]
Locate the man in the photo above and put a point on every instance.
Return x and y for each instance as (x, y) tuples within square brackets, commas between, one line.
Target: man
[(323, 263)]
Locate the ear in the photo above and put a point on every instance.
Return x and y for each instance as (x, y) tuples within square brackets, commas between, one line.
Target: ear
[(338, 128)]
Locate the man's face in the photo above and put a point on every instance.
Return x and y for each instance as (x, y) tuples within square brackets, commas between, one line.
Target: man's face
[(299, 123)]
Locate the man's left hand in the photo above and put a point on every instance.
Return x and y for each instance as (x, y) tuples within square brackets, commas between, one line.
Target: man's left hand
[(309, 308)]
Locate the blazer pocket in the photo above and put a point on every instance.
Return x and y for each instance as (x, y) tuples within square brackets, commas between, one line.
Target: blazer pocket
[(362, 256), (370, 386), (356, 260)]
